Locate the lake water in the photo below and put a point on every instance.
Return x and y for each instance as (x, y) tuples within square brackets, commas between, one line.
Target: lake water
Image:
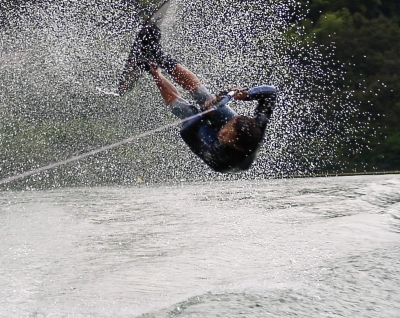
[(323, 247)]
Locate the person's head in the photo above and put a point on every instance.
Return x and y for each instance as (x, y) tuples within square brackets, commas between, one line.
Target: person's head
[(241, 133)]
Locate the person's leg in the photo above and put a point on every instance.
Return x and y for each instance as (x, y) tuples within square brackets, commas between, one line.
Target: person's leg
[(185, 78), (179, 106), (168, 91), (150, 37), (190, 82)]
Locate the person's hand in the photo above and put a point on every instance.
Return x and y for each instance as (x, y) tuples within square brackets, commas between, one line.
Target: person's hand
[(210, 102), (240, 94)]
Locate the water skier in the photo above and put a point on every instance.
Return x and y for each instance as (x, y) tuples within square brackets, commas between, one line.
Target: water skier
[(224, 140)]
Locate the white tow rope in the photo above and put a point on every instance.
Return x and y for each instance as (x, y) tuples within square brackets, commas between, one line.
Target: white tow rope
[(99, 150)]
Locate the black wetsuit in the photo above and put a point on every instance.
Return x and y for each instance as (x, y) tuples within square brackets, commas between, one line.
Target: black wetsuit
[(201, 133)]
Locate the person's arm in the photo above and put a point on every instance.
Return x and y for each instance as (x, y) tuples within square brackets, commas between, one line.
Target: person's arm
[(264, 94), (218, 117), (222, 112), (221, 115), (266, 97)]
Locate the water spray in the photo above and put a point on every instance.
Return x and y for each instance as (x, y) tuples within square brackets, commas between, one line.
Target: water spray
[(99, 150), (225, 100), (61, 61)]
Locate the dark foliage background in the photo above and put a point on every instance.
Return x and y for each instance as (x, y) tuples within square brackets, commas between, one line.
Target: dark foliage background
[(366, 35)]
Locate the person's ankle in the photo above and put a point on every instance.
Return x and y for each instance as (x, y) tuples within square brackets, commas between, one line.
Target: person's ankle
[(154, 69)]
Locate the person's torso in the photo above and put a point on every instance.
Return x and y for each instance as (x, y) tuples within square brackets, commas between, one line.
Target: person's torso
[(203, 139), (218, 156)]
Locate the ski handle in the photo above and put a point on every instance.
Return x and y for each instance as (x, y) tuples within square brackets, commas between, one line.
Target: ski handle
[(226, 99)]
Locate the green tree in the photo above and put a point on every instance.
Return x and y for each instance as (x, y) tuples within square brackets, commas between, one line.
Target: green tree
[(366, 36)]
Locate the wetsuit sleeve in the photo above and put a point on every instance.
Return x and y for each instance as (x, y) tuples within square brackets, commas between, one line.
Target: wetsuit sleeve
[(266, 97), (218, 118), (189, 128), (221, 116)]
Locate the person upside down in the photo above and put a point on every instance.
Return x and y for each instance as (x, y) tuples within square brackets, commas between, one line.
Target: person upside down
[(224, 140)]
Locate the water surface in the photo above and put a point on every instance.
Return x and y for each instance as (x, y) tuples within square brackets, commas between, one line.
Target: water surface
[(326, 247)]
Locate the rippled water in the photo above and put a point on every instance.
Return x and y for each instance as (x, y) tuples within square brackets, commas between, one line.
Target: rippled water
[(326, 247)]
